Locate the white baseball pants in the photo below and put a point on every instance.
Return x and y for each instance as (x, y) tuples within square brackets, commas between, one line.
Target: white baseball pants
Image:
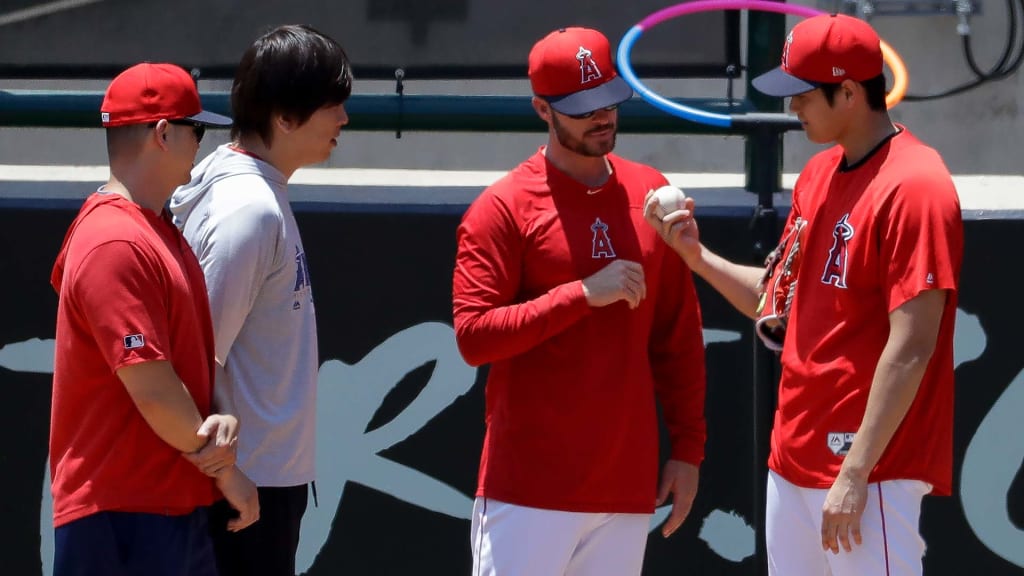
[(892, 544), (511, 540)]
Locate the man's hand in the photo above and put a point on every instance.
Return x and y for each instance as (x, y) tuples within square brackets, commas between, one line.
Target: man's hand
[(679, 478), (241, 494), (620, 280), (841, 512), (678, 229), (221, 449)]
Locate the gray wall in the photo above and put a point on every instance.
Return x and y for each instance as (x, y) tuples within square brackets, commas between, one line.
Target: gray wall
[(973, 131)]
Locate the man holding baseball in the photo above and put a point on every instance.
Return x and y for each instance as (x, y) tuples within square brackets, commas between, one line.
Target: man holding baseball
[(587, 320), (863, 428)]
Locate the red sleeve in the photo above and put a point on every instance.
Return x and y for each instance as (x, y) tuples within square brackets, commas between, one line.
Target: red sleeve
[(922, 237), (119, 292), (677, 360), (490, 324)]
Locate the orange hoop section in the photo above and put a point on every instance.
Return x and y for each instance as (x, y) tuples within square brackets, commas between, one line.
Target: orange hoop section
[(899, 75)]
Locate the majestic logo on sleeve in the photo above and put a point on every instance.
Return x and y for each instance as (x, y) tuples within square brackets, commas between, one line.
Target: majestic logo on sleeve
[(839, 442), (588, 68), (602, 243), (835, 267)]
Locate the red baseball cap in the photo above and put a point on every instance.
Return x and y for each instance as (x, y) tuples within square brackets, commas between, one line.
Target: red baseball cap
[(825, 49), (149, 92), (572, 69)]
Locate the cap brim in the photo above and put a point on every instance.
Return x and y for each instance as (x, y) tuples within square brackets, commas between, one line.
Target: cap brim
[(211, 119), (612, 92), (779, 83)]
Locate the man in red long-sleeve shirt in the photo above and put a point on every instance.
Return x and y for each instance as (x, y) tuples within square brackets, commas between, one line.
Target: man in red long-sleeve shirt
[(587, 320)]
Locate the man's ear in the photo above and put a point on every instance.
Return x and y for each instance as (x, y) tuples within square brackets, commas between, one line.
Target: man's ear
[(160, 133), (284, 123), (851, 90), (542, 108)]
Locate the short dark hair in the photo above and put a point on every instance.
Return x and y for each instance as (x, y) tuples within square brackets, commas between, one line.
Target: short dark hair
[(292, 70), (125, 141), (874, 87)]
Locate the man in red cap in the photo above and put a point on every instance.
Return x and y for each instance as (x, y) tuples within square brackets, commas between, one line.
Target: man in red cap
[(588, 322), (863, 428), (133, 443)]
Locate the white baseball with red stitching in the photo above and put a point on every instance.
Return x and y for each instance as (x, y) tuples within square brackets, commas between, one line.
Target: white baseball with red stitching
[(669, 200)]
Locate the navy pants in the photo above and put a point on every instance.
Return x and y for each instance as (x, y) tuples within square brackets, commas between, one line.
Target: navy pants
[(135, 544)]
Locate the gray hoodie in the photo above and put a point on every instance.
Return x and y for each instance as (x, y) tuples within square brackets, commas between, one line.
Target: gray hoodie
[(235, 215)]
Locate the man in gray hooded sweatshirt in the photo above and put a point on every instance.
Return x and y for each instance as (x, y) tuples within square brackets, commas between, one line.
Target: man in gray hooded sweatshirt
[(288, 105)]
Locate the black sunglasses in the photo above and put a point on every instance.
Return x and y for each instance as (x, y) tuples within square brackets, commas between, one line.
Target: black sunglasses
[(586, 115), (197, 128)]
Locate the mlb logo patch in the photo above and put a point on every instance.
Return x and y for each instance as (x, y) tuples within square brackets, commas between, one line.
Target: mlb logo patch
[(134, 341)]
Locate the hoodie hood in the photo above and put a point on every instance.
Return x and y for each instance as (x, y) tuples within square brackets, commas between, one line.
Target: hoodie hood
[(224, 162)]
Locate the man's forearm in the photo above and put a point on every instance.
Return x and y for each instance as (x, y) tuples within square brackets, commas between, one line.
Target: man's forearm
[(164, 403), (893, 390), (500, 333), (736, 282), (913, 332)]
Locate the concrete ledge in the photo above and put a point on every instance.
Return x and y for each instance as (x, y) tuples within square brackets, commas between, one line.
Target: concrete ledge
[(981, 196)]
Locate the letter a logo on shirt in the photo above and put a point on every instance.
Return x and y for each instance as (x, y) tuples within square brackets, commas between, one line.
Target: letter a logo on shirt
[(588, 68), (602, 243), (302, 286), (835, 267)]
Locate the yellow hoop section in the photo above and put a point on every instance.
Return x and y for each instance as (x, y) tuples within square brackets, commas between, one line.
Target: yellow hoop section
[(899, 75)]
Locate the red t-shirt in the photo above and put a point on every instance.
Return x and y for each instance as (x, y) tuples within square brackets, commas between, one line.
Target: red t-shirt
[(571, 417), (878, 234), (130, 291)]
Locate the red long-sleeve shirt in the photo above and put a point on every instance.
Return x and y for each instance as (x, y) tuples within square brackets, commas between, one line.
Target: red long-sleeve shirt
[(571, 393)]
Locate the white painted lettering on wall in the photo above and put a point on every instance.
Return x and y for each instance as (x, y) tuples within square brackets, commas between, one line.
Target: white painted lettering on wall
[(349, 396)]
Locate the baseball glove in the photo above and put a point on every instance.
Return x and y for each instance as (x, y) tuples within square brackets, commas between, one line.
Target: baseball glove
[(778, 287)]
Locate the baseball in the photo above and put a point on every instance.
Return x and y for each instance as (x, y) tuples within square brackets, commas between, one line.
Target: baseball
[(669, 200)]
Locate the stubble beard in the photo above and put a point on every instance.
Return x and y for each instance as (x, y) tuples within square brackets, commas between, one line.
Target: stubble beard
[(582, 147)]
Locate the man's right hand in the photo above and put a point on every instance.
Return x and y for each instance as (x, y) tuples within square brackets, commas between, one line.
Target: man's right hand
[(620, 280), (241, 494), (221, 449), (678, 229)]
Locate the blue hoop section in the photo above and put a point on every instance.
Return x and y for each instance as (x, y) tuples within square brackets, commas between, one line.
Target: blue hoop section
[(683, 111), (676, 109)]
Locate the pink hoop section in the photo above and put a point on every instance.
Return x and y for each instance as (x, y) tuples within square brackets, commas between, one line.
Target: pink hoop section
[(712, 5)]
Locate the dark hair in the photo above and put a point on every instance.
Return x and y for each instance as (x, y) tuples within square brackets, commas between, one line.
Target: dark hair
[(292, 70), (873, 87), (125, 141)]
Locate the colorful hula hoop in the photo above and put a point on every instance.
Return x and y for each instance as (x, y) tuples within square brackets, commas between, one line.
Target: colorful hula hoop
[(892, 59)]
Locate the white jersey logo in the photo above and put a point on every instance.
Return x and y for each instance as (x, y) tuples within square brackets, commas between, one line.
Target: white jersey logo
[(839, 442), (133, 341), (602, 244), (588, 68), (835, 266)]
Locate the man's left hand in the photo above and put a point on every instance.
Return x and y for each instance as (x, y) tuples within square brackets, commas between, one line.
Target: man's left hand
[(841, 512), (679, 478)]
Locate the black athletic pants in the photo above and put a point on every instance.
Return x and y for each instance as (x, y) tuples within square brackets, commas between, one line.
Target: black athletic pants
[(267, 547)]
